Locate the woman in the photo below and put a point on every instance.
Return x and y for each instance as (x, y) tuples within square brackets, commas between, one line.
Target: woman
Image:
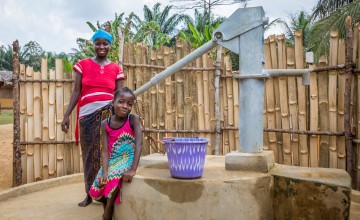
[(96, 79)]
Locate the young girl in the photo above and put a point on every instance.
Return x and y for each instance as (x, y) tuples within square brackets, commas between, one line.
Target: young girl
[(122, 144)]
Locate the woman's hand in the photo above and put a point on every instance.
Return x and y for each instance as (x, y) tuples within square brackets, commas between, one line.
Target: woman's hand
[(128, 175), (65, 124)]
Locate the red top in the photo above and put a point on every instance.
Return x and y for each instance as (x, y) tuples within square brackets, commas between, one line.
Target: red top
[(97, 85)]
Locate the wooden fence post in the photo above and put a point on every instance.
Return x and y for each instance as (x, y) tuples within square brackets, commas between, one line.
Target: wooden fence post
[(217, 101), (350, 147), (17, 178)]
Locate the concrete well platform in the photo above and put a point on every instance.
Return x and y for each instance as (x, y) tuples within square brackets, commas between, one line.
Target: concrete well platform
[(218, 194)]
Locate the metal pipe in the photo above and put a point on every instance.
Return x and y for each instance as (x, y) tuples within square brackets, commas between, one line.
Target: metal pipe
[(175, 67), (285, 72), (305, 73)]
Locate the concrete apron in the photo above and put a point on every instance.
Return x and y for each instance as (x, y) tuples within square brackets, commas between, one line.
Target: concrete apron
[(218, 194), (234, 194)]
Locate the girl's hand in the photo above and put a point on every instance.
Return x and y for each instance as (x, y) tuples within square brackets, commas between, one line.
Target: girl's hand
[(127, 177), (103, 179)]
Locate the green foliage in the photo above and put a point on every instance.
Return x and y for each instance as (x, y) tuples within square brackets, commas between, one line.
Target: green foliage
[(299, 21), (67, 61), (198, 38), (157, 28), (324, 8), (6, 56), (31, 54), (320, 33), (199, 31), (150, 33)]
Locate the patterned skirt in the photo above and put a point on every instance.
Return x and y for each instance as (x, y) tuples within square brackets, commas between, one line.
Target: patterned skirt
[(90, 143), (120, 160)]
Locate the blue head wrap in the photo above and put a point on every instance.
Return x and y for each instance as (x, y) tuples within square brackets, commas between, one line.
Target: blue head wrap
[(102, 34)]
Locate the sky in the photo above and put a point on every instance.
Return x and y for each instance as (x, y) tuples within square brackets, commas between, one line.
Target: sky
[(56, 24)]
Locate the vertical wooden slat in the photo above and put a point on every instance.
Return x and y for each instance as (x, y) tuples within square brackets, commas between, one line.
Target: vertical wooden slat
[(125, 65), (22, 126), (292, 93), (314, 119), (355, 42), (224, 112), (274, 65), (205, 81), (146, 99), (45, 118), (285, 118), (334, 37), (130, 71), (52, 119), (200, 96), (270, 102), (323, 78), (138, 82), (236, 111), (76, 150), (188, 115), (30, 125), (138, 74), (193, 81), (59, 91), (299, 62), (340, 141), (161, 96), (230, 102), (37, 128), (68, 148), (212, 103), (168, 98), (153, 97), (179, 78)]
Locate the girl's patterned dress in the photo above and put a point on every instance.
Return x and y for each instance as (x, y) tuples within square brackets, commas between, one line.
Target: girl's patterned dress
[(121, 144)]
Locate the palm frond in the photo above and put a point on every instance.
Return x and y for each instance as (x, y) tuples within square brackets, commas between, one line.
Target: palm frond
[(319, 35)]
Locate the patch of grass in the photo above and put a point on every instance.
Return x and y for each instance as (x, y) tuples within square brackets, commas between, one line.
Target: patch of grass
[(6, 117)]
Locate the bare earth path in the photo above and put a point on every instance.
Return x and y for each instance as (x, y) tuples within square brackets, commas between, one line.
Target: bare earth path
[(6, 154), (58, 203)]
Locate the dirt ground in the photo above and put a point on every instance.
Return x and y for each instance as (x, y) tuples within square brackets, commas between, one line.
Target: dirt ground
[(6, 156)]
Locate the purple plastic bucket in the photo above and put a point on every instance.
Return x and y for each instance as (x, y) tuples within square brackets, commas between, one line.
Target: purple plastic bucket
[(186, 156)]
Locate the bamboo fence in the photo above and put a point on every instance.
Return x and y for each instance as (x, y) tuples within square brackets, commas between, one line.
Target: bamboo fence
[(303, 125)]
